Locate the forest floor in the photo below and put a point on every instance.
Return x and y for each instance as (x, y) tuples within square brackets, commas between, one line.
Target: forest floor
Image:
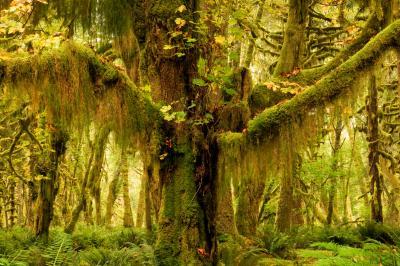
[(93, 245)]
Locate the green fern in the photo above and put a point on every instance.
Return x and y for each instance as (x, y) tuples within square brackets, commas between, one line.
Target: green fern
[(59, 250)]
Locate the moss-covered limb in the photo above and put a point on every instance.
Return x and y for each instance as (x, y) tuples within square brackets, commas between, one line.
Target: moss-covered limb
[(374, 24), (72, 82), (331, 87)]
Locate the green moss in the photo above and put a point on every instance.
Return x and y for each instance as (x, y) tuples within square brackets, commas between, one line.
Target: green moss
[(261, 97), (76, 87), (268, 123), (178, 235)]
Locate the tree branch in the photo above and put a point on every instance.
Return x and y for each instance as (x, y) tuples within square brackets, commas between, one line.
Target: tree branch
[(268, 123)]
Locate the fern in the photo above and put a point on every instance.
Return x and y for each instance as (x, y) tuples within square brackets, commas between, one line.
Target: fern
[(59, 250)]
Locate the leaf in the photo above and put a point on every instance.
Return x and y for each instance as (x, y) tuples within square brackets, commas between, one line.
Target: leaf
[(165, 108), (182, 8), (219, 39), (179, 54), (191, 40), (168, 47), (180, 117), (163, 156), (230, 91), (199, 82), (180, 22)]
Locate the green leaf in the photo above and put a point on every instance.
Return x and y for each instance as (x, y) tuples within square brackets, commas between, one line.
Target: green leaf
[(199, 82), (230, 91), (180, 116)]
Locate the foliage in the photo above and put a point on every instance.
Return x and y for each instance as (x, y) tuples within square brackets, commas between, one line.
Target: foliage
[(87, 246)]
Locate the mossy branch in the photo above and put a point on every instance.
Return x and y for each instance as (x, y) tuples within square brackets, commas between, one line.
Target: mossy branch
[(72, 83), (267, 124), (372, 27)]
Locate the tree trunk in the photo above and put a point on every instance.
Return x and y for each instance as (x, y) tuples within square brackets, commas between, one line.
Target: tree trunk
[(96, 170), (141, 205), (334, 167), (252, 41), (48, 186), (113, 190), (293, 43), (82, 197), (128, 216), (284, 214), (376, 182)]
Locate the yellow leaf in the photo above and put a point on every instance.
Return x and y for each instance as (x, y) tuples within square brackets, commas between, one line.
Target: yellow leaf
[(180, 22), (181, 9), (219, 39)]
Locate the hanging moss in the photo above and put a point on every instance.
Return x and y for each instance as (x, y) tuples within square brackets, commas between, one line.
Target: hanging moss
[(326, 90), (76, 87)]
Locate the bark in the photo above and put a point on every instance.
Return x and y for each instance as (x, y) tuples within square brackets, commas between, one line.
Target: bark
[(141, 205), (376, 181), (332, 201), (284, 214), (128, 216), (293, 43), (96, 170)]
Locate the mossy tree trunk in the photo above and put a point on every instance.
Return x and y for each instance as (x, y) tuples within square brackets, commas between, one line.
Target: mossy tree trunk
[(128, 216), (48, 186), (376, 181), (96, 170), (284, 214), (293, 43), (113, 190), (332, 201)]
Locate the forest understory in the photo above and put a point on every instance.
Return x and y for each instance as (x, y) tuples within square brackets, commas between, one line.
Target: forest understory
[(199, 132)]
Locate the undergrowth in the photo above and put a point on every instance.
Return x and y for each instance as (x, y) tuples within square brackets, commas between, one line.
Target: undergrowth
[(89, 245)]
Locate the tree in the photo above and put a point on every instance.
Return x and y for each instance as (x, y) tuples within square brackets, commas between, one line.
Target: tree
[(191, 133)]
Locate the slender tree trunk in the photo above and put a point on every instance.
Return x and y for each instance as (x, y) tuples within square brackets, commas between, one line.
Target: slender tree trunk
[(113, 190), (96, 170), (252, 41), (141, 205), (284, 214), (334, 167), (128, 216), (82, 197), (376, 182)]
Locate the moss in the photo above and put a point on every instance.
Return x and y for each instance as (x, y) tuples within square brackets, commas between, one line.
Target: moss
[(262, 97), (178, 236), (233, 116), (76, 87), (331, 87)]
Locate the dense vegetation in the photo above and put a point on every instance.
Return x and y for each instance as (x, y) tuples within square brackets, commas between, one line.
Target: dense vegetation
[(199, 132)]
